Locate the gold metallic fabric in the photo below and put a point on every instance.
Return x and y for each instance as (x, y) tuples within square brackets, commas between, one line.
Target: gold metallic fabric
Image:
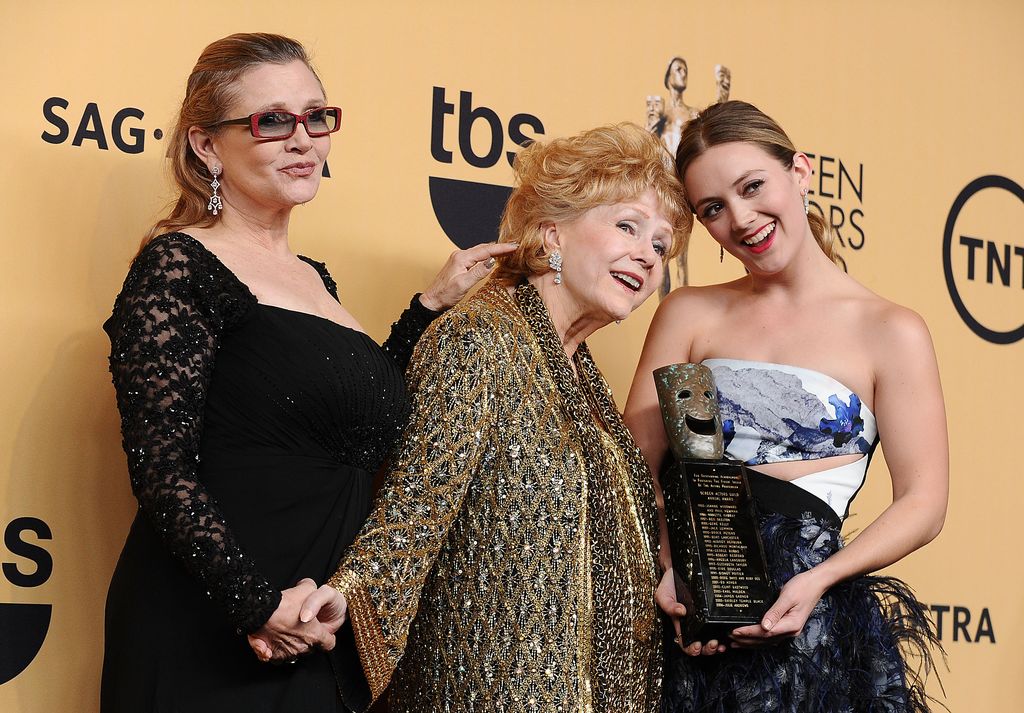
[(508, 563)]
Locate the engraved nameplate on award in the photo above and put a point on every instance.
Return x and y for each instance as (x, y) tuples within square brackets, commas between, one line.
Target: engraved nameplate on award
[(717, 555)]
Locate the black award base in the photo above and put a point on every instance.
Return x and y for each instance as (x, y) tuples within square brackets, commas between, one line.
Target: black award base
[(717, 555)]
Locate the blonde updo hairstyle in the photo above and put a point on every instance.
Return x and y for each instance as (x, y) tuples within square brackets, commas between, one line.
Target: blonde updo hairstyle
[(732, 121), (560, 180), (210, 91)]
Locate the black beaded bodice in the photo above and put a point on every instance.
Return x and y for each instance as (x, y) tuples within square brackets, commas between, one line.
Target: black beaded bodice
[(188, 336)]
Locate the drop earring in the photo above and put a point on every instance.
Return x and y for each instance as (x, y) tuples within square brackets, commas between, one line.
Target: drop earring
[(807, 202), (555, 263), (216, 204), (721, 254)]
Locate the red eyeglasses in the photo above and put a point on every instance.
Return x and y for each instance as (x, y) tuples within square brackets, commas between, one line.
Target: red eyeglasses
[(280, 124)]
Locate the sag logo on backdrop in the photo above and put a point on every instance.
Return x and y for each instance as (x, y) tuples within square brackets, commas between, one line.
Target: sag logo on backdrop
[(965, 257), (125, 132), (23, 627), (90, 126)]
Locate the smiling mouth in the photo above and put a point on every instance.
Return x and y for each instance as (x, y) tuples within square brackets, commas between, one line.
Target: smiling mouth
[(760, 236), (628, 280)]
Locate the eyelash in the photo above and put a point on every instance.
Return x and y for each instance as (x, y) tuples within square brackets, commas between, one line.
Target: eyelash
[(628, 227), (749, 189), (753, 186)]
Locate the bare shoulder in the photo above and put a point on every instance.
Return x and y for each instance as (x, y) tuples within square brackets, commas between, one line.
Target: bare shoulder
[(895, 331), (681, 319), (708, 301)]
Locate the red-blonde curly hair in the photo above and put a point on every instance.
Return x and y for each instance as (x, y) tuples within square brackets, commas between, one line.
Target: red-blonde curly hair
[(561, 179)]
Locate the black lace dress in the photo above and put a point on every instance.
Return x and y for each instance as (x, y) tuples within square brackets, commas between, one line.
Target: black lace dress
[(252, 434)]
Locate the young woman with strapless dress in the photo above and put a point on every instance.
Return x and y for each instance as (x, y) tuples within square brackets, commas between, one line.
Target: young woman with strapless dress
[(813, 370)]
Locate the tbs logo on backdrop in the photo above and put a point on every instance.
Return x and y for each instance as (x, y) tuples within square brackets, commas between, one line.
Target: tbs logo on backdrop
[(469, 211), (23, 627), (983, 258)]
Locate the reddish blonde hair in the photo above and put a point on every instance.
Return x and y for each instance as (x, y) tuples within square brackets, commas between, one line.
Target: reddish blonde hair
[(561, 179)]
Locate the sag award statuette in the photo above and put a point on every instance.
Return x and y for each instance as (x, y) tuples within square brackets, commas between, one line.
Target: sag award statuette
[(717, 555)]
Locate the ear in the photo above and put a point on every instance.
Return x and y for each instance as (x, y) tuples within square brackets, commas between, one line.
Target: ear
[(551, 237), (802, 169), (202, 144)]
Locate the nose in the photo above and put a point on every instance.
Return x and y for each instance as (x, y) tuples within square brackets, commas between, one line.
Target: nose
[(742, 218), (300, 140), (645, 255)]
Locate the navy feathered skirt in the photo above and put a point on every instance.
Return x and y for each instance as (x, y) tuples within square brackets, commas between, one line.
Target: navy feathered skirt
[(866, 646)]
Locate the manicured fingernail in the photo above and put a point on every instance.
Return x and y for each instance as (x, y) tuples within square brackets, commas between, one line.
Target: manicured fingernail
[(305, 617)]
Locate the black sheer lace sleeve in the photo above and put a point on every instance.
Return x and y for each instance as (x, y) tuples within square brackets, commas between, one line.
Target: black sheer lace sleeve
[(404, 333), (408, 330), (164, 333)]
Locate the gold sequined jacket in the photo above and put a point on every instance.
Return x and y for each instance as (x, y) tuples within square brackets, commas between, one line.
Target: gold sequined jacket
[(508, 563)]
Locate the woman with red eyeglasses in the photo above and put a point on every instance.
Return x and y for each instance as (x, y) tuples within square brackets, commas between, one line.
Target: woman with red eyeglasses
[(254, 408)]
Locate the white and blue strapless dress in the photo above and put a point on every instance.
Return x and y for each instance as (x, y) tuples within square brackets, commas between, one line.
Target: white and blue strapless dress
[(868, 638)]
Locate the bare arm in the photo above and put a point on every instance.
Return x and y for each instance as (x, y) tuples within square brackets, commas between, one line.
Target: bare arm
[(667, 343), (912, 426)]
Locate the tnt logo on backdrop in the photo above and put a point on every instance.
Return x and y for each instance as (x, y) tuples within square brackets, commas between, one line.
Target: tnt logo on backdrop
[(469, 211), (983, 258), (23, 627)]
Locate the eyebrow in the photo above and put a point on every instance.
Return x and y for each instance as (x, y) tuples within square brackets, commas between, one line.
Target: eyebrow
[(310, 104), (637, 209), (742, 177)]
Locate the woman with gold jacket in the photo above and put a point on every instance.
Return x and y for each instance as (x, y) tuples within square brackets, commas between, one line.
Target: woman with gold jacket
[(508, 564)]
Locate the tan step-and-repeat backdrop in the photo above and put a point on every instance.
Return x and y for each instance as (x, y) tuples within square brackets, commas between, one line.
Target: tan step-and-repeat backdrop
[(912, 112)]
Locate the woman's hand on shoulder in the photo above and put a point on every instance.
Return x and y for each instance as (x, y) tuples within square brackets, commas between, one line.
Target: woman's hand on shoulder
[(463, 269)]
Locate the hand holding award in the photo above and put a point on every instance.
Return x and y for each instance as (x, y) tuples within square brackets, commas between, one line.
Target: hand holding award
[(718, 558)]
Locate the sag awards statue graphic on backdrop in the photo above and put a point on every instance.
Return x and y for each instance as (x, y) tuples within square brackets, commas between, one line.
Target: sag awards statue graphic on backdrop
[(667, 122)]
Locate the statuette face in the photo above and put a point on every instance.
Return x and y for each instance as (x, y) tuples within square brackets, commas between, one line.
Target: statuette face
[(689, 408)]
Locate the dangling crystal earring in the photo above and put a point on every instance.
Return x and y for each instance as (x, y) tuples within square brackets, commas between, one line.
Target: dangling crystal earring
[(216, 204), (721, 254), (555, 263), (807, 202)]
